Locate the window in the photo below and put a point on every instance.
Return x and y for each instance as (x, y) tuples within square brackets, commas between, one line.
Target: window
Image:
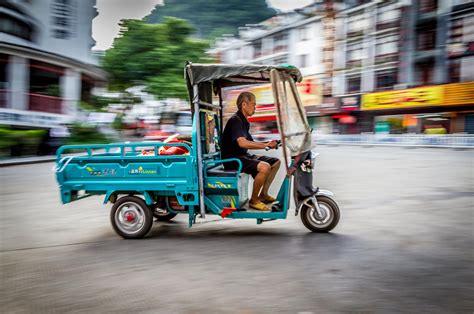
[(304, 33), (12, 26), (62, 21), (387, 14), (353, 84), (428, 5), (386, 45), (357, 23), (426, 38), (355, 52), (281, 42), (62, 18), (454, 71), (60, 33), (425, 72), (386, 80), (303, 61), (257, 49), (462, 30)]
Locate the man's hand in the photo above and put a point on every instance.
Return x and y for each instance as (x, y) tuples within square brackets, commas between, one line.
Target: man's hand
[(272, 144)]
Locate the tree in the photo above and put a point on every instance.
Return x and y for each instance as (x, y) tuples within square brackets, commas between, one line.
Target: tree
[(153, 54), (213, 17)]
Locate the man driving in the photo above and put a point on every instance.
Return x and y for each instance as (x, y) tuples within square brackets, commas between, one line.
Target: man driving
[(236, 141)]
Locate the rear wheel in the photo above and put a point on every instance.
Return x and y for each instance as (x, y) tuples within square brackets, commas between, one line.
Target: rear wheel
[(162, 214), (131, 218), (323, 221)]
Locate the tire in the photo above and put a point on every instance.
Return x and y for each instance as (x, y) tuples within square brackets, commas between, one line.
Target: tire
[(321, 224), (131, 218), (162, 214)]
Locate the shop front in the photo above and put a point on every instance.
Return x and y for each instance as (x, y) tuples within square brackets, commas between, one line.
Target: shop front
[(436, 109)]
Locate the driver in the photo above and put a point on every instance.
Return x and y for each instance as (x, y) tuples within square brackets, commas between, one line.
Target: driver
[(236, 141)]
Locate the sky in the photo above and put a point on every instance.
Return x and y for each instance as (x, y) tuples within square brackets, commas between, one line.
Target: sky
[(105, 26)]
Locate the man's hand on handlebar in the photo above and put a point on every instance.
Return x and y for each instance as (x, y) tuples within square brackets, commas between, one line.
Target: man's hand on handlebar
[(273, 144)]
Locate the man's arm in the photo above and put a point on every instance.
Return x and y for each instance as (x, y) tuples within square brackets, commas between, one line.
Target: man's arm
[(246, 144)]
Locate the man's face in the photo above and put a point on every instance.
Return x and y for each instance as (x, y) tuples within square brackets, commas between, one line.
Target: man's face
[(248, 107)]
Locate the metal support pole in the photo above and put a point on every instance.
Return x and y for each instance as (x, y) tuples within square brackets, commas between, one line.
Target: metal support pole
[(197, 116)]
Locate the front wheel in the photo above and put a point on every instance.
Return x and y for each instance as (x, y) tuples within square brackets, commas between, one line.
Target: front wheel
[(325, 220), (131, 218)]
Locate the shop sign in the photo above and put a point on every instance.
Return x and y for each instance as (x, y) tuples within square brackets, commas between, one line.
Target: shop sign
[(459, 94), (415, 97), (349, 103)]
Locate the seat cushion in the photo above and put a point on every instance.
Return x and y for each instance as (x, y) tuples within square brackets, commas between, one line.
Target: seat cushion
[(219, 171)]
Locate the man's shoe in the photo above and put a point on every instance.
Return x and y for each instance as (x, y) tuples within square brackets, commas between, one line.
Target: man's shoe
[(268, 199), (259, 206)]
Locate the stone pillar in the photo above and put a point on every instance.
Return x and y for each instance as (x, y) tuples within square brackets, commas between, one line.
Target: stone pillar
[(70, 84), (18, 78)]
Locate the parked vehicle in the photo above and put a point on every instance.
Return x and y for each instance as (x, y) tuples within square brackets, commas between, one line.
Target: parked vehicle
[(143, 180)]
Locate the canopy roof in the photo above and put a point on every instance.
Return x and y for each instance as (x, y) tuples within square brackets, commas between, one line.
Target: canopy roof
[(235, 74)]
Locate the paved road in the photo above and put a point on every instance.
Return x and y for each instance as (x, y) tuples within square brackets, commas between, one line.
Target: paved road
[(404, 244)]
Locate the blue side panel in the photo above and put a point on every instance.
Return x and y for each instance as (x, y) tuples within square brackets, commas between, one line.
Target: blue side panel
[(127, 170)]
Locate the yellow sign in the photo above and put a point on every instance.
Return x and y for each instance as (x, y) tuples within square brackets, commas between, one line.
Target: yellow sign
[(415, 97), (459, 94)]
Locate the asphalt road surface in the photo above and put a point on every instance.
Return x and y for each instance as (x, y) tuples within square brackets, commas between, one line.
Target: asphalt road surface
[(404, 244)]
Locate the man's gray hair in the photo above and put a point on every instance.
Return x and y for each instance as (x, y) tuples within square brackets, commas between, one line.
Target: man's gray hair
[(244, 96)]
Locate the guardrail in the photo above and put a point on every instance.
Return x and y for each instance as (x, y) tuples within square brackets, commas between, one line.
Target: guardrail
[(409, 140)]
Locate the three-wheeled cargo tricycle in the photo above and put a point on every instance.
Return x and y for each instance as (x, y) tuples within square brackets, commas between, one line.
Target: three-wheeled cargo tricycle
[(144, 180)]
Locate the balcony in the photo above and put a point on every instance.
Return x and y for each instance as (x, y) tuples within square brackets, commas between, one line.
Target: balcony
[(43, 103), (381, 26), (385, 58)]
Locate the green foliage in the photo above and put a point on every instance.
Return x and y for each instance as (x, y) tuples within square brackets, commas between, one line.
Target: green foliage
[(25, 142), (96, 103), (85, 134), (213, 17), (51, 90), (153, 54), (118, 123)]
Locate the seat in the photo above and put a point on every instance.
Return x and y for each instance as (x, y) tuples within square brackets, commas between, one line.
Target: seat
[(219, 171)]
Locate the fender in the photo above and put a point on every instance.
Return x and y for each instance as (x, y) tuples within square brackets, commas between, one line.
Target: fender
[(326, 193), (318, 192), (112, 197)]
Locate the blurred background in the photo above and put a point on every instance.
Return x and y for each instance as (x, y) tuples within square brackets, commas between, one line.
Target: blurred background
[(399, 71)]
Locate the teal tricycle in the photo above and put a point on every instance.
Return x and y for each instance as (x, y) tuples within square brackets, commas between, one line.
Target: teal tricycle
[(147, 180)]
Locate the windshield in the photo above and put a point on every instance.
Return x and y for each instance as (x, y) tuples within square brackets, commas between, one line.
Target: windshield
[(292, 121)]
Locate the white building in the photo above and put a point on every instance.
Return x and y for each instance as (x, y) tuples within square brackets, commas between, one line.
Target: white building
[(295, 38), (46, 65)]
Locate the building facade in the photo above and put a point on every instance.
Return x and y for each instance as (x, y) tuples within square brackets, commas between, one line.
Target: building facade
[(46, 65), (294, 38), (405, 66)]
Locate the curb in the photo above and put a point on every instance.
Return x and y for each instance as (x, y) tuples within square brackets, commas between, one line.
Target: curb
[(26, 161)]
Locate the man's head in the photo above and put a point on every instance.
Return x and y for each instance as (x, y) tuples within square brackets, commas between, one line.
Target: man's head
[(246, 103)]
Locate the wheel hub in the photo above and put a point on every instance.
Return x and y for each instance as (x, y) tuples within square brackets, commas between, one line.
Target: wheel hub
[(130, 217)]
